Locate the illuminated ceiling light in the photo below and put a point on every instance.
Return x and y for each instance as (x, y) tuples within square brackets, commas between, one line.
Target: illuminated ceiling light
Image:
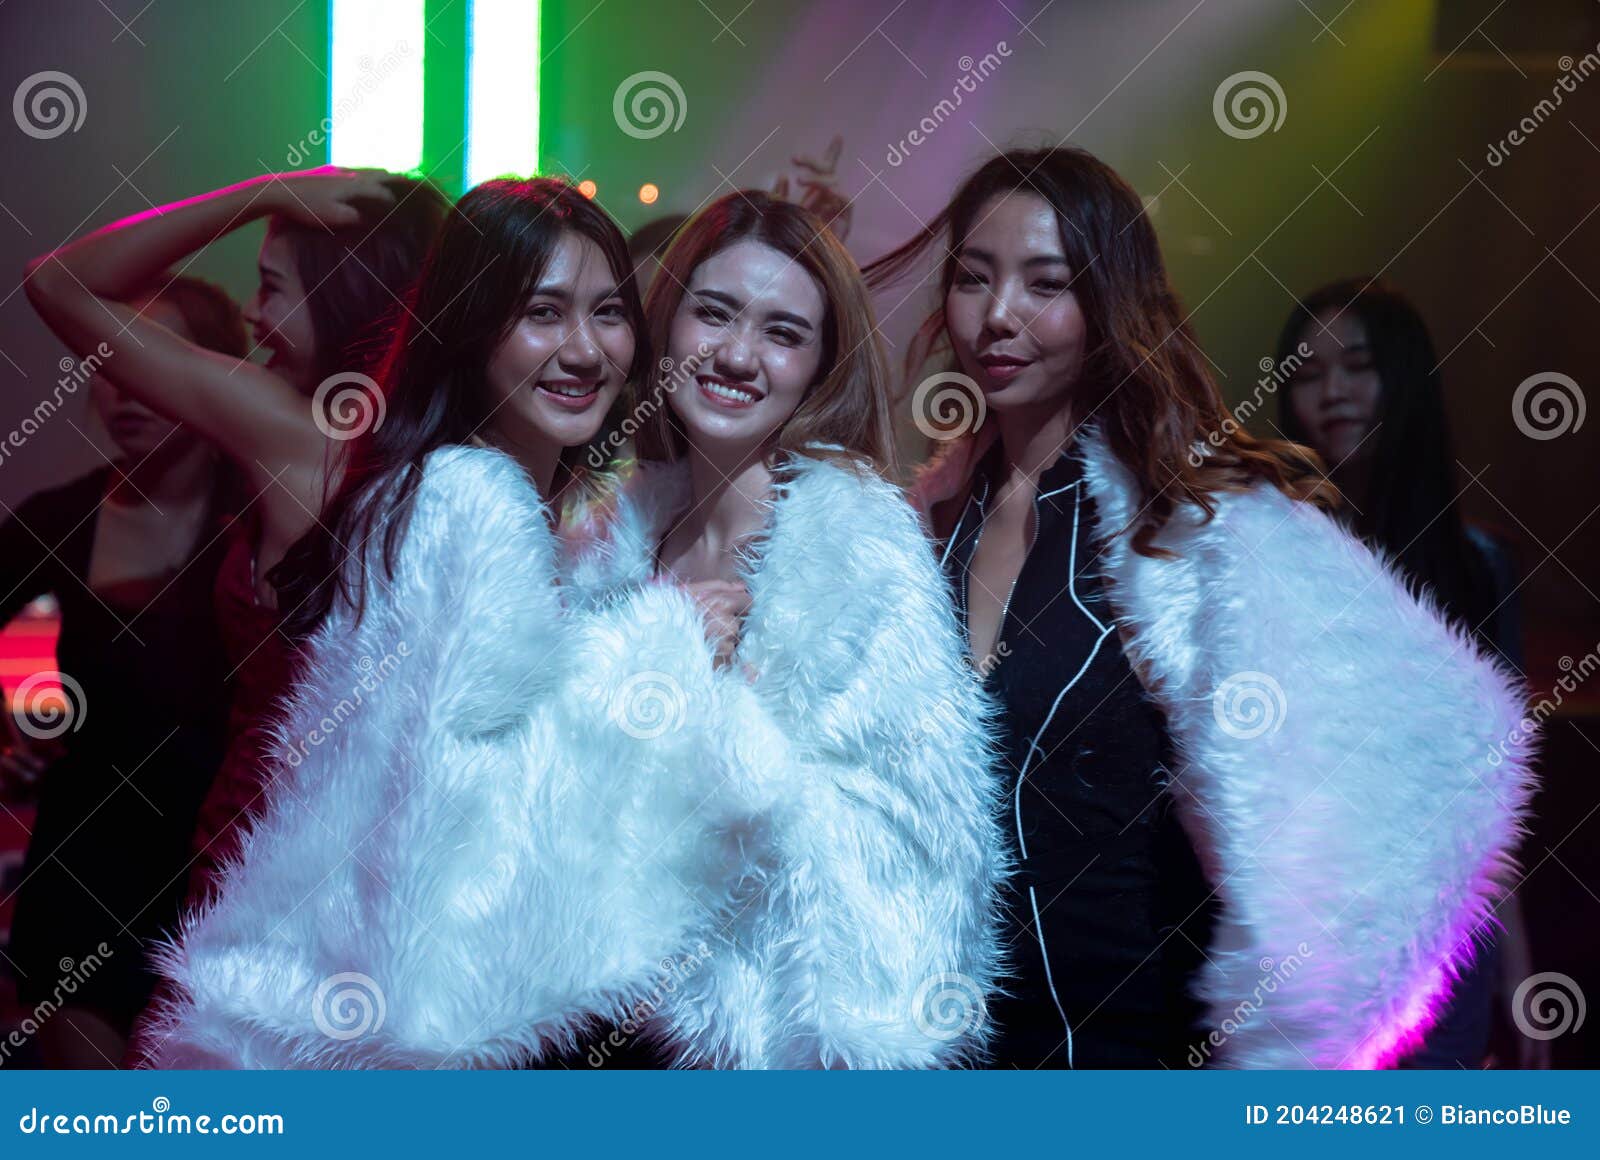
[(502, 89), (648, 193), (375, 83)]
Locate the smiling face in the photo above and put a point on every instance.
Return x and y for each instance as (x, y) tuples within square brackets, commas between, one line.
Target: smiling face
[(136, 430), (1335, 393), (556, 374), (278, 316), (750, 331), (1014, 323)]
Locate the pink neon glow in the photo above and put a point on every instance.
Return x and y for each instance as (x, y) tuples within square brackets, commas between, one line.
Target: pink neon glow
[(1389, 1043)]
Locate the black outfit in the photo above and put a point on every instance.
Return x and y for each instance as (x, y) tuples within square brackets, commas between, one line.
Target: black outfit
[(110, 846), (1108, 913)]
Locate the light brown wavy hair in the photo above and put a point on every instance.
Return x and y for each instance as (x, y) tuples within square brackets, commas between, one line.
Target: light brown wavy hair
[(844, 416), (1144, 381)]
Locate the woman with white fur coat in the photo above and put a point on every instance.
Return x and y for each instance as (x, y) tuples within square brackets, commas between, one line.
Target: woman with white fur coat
[(865, 935), (539, 815), (437, 878), (1177, 633)]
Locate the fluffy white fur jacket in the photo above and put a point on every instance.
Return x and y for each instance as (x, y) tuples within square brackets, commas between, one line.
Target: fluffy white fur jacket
[(494, 817), (467, 848), (870, 936), (1354, 770)]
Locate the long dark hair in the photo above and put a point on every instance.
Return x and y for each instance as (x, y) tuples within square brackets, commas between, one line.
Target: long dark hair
[(1409, 511), (848, 405), (1144, 381), (356, 277), (475, 283)]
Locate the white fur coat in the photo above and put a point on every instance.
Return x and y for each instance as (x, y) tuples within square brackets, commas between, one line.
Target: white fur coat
[(867, 934), (471, 843), (1353, 768), (493, 817)]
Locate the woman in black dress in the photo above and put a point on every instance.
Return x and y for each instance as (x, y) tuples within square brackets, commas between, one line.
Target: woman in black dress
[(1148, 591), (130, 552)]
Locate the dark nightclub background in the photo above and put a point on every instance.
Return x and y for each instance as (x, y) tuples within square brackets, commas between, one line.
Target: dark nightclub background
[(1452, 146)]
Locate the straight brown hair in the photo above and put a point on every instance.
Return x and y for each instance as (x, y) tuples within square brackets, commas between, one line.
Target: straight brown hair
[(845, 414)]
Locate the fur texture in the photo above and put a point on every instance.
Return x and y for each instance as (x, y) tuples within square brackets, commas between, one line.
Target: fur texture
[(470, 845), (863, 932), (1353, 768)]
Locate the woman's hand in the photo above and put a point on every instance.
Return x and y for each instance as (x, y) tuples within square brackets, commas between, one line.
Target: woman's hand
[(819, 186), (724, 604), (329, 196)]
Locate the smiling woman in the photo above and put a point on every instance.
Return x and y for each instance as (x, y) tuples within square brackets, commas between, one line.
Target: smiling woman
[(519, 335), (863, 931), (469, 837), (1161, 590)]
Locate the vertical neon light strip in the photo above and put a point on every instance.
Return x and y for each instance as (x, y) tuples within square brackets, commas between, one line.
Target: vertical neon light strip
[(502, 89), (375, 83)]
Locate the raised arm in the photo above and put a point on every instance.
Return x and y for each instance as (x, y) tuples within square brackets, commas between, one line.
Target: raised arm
[(257, 417)]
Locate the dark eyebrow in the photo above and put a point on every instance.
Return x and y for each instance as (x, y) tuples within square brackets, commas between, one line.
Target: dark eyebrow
[(792, 319), (720, 298), (562, 293), (1036, 260), (724, 299)]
